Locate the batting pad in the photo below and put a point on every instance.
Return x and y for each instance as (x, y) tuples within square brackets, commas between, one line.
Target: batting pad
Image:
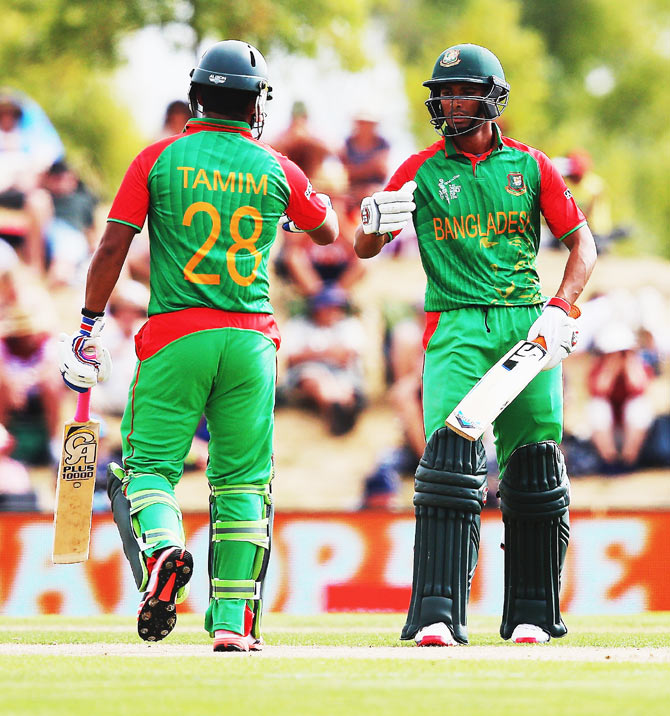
[(535, 494), (450, 491), (241, 529)]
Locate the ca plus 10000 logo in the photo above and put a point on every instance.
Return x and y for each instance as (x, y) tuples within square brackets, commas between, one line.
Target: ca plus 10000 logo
[(79, 455)]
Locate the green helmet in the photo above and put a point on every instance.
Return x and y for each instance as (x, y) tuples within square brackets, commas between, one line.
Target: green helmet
[(473, 64), (233, 64)]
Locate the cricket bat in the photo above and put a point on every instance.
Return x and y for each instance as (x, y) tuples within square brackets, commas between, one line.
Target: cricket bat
[(75, 485), (498, 387)]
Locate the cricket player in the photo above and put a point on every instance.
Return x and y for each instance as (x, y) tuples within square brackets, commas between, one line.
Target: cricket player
[(213, 195), (476, 198)]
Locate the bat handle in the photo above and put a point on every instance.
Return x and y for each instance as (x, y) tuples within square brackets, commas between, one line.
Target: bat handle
[(83, 411)]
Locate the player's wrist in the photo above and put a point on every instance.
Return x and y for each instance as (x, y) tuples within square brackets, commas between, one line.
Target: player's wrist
[(561, 303), (91, 314)]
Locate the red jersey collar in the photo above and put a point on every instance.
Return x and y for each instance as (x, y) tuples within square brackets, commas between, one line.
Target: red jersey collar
[(210, 124)]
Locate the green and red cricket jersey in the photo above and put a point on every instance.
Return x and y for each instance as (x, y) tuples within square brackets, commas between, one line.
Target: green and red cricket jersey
[(477, 221), (213, 196)]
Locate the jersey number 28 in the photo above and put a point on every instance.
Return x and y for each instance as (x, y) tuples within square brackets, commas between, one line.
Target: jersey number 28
[(238, 244)]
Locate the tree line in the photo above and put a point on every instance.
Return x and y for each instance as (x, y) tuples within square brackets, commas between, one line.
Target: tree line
[(587, 74)]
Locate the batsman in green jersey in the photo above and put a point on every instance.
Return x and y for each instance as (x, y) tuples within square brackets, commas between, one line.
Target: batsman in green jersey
[(476, 199), (213, 195)]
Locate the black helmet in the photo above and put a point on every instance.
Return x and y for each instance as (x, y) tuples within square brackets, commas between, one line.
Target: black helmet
[(236, 65), (472, 64)]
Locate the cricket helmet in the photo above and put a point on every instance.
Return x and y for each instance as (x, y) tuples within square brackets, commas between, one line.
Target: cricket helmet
[(236, 65), (472, 64)]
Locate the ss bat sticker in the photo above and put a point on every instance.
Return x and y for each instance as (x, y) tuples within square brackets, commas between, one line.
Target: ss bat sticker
[(527, 350)]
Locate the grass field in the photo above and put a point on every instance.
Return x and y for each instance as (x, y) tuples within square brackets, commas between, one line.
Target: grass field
[(334, 664)]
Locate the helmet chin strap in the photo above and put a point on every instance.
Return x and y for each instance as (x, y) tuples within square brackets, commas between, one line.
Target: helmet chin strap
[(475, 124)]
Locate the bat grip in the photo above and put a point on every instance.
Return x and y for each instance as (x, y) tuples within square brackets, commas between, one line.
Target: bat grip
[(83, 411)]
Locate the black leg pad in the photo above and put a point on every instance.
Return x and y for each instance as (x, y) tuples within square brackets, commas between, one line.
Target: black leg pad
[(535, 495), (121, 513), (449, 492)]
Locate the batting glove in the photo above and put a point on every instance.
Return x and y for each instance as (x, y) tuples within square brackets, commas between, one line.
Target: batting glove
[(289, 225), (387, 211), (558, 328), (82, 359)]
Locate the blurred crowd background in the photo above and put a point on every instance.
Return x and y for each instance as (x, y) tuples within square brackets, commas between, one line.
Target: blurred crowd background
[(349, 429)]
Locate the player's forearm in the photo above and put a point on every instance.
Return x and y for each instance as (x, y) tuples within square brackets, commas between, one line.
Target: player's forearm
[(328, 231), (106, 265), (579, 265), (368, 245)]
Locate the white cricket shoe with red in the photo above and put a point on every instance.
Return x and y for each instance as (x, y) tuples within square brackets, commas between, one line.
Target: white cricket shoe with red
[(230, 641), (529, 634), (437, 634)]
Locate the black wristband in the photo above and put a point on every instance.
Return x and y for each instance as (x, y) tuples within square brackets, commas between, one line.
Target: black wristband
[(91, 314)]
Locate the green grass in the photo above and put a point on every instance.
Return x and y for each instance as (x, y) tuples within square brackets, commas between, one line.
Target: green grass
[(213, 684)]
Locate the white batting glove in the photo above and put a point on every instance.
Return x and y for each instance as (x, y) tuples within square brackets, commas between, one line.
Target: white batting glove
[(558, 329), (82, 359), (289, 225), (386, 211)]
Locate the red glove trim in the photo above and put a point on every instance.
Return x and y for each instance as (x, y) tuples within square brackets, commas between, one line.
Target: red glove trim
[(560, 303)]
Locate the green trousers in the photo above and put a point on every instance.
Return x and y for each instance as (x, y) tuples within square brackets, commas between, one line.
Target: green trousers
[(464, 345), (227, 374)]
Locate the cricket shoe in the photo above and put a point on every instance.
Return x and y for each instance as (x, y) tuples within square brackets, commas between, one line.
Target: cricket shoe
[(157, 613), (230, 641), (437, 634), (529, 634)]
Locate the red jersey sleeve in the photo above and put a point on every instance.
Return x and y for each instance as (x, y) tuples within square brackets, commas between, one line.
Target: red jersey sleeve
[(557, 204), (304, 208), (131, 203)]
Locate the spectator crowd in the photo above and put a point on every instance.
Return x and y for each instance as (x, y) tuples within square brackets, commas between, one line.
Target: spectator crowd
[(49, 224)]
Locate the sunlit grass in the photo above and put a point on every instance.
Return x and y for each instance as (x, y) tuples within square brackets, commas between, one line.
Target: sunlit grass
[(57, 684)]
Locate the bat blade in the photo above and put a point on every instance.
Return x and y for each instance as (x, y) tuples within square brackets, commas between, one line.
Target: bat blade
[(74, 489), (497, 388)]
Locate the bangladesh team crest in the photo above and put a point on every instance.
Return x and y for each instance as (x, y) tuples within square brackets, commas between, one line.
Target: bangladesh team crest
[(515, 184), (451, 57)]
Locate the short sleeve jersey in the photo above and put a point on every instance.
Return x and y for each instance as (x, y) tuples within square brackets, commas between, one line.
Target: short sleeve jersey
[(477, 221), (213, 196)]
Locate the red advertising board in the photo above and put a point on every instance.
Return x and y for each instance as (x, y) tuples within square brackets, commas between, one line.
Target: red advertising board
[(617, 563)]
